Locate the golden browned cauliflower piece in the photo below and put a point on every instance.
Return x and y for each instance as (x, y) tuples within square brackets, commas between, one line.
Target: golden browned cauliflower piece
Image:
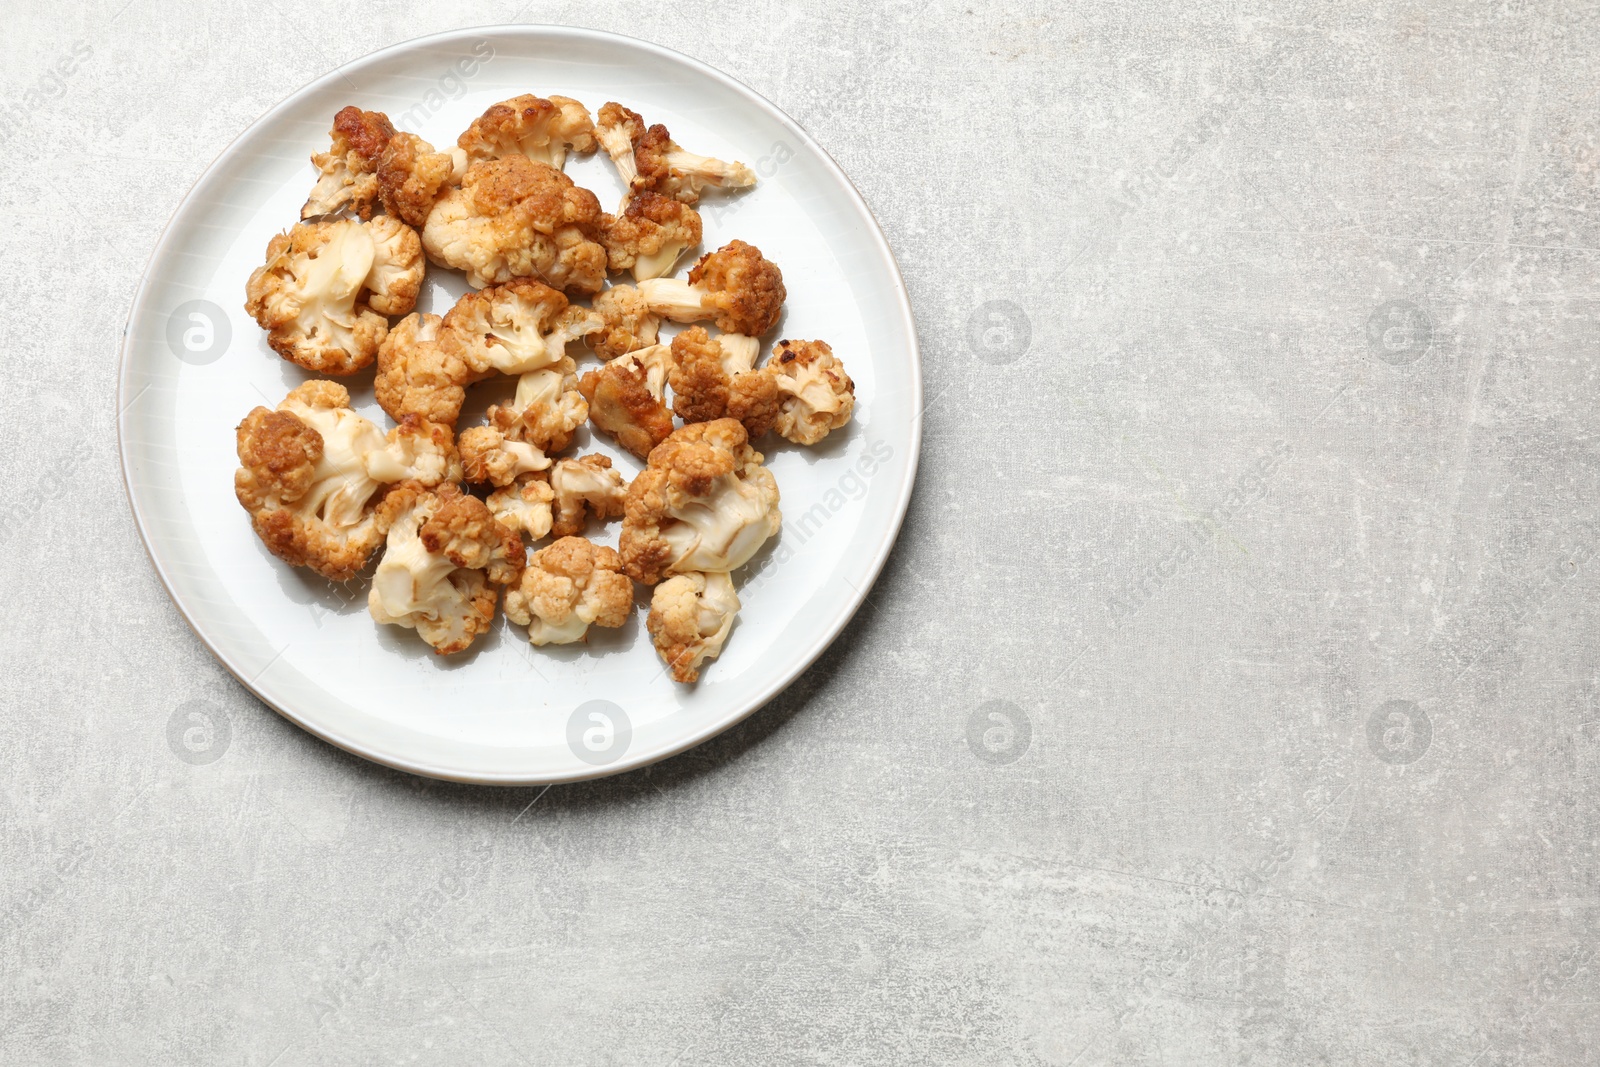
[(519, 326), (547, 409), (714, 378), (629, 324), (627, 398), (690, 618), (705, 503), (542, 130), (650, 236), (568, 587), (443, 550), (649, 159), (515, 218), (488, 455), (736, 286), (523, 507), (412, 176), (326, 286), (586, 484), (348, 171), (417, 375), (312, 470), (817, 395)]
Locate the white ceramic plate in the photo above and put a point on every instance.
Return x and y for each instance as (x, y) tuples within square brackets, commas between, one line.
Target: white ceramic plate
[(193, 364)]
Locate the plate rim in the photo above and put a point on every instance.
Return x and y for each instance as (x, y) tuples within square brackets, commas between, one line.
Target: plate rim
[(827, 634)]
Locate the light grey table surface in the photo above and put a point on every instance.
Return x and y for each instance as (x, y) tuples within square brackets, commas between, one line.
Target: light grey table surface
[(1258, 490)]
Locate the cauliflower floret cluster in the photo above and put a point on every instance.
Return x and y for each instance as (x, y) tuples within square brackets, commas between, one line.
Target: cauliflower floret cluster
[(412, 175), (326, 286), (627, 323), (519, 326), (582, 487), (418, 375), (568, 587), (736, 287), (627, 398), (443, 556), (650, 235), (542, 130), (313, 471), (514, 217), (714, 378), (705, 503), (818, 396), (348, 171), (690, 618), (647, 158)]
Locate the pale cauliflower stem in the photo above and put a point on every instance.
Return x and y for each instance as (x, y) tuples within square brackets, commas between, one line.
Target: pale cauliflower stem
[(515, 218), (567, 588), (516, 327), (627, 398), (714, 378), (736, 287), (547, 409), (326, 286), (488, 455), (348, 171), (585, 486), (444, 549), (412, 176), (311, 470), (689, 621), (523, 507), (543, 130), (628, 323), (649, 236), (704, 503), (418, 375), (648, 158), (818, 396)]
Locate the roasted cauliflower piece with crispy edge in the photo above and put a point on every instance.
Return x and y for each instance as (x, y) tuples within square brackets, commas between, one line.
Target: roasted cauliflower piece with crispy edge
[(817, 395), (628, 323), (516, 218), (650, 235), (543, 130), (647, 158), (443, 551), (690, 618), (412, 176), (546, 410), (568, 587), (704, 503), (417, 375), (489, 456), (627, 398), (348, 171), (523, 507), (588, 484), (516, 327), (736, 287), (326, 286), (714, 378), (312, 470)]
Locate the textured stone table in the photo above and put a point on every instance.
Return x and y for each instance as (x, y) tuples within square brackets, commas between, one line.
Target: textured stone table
[(1232, 694)]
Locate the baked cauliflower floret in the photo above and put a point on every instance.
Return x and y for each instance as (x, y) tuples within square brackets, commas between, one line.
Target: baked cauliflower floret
[(516, 218), (412, 176), (547, 409), (817, 395), (735, 286), (417, 375), (629, 324), (523, 507), (519, 326), (627, 398), (568, 587), (587, 484), (714, 378), (542, 130), (311, 471), (650, 235), (443, 550), (325, 288), (648, 158), (704, 503), (488, 455), (690, 617), (348, 171)]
